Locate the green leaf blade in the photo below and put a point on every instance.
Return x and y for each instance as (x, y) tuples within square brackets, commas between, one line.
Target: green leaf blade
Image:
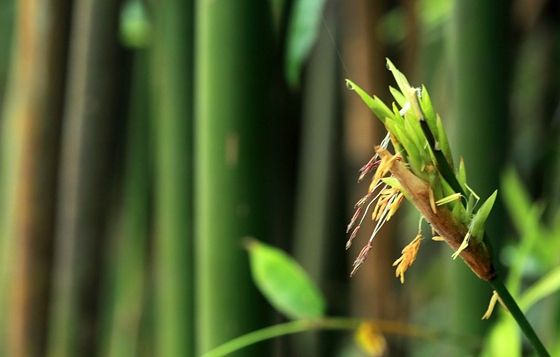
[(479, 219), (303, 30), (284, 283), (443, 141), (375, 104), (545, 286), (428, 110), (399, 97), (400, 78)]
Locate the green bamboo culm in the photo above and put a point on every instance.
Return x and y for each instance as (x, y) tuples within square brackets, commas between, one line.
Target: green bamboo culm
[(92, 110), (31, 101), (127, 251), (519, 317), (317, 173), (172, 77), (341, 323), (231, 88), (478, 44)]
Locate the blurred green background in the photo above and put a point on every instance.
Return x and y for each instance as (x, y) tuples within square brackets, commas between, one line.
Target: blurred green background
[(141, 141)]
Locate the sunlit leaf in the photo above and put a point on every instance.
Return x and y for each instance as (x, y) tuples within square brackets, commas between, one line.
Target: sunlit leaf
[(284, 282), (402, 82), (399, 97), (428, 110), (412, 153), (375, 104)]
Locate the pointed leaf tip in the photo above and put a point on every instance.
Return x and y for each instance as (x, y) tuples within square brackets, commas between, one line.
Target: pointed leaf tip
[(375, 104), (480, 217)]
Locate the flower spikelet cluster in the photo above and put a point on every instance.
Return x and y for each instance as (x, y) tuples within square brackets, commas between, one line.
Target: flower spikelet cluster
[(422, 170)]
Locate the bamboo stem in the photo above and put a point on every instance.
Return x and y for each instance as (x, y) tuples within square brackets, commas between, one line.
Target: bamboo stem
[(519, 317), (92, 108), (172, 77), (495, 281), (232, 90), (337, 323)]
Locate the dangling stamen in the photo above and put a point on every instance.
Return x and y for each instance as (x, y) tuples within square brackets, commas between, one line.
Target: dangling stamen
[(408, 257)]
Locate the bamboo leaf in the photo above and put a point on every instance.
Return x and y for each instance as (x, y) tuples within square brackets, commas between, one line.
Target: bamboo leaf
[(462, 175), (399, 77), (526, 219), (412, 155), (428, 110), (399, 97), (544, 287), (284, 283), (303, 31), (480, 218), (443, 141), (460, 213), (517, 199), (375, 104)]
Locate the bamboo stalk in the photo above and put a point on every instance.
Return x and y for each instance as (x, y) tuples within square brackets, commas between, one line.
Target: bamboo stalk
[(172, 75), (91, 111), (127, 252), (7, 27), (30, 133), (232, 62), (479, 65), (316, 173)]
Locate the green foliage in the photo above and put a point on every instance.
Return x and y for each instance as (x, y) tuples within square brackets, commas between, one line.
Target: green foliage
[(545, 286), (284, 283), (303, 31), (480, 217), (135, 27), (534, 239), (402, 82), (432, 14), (412, 127), (375, 104)]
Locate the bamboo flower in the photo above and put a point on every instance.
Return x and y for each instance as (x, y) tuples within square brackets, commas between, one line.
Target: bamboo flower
[(421, 170), (408, 257)]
